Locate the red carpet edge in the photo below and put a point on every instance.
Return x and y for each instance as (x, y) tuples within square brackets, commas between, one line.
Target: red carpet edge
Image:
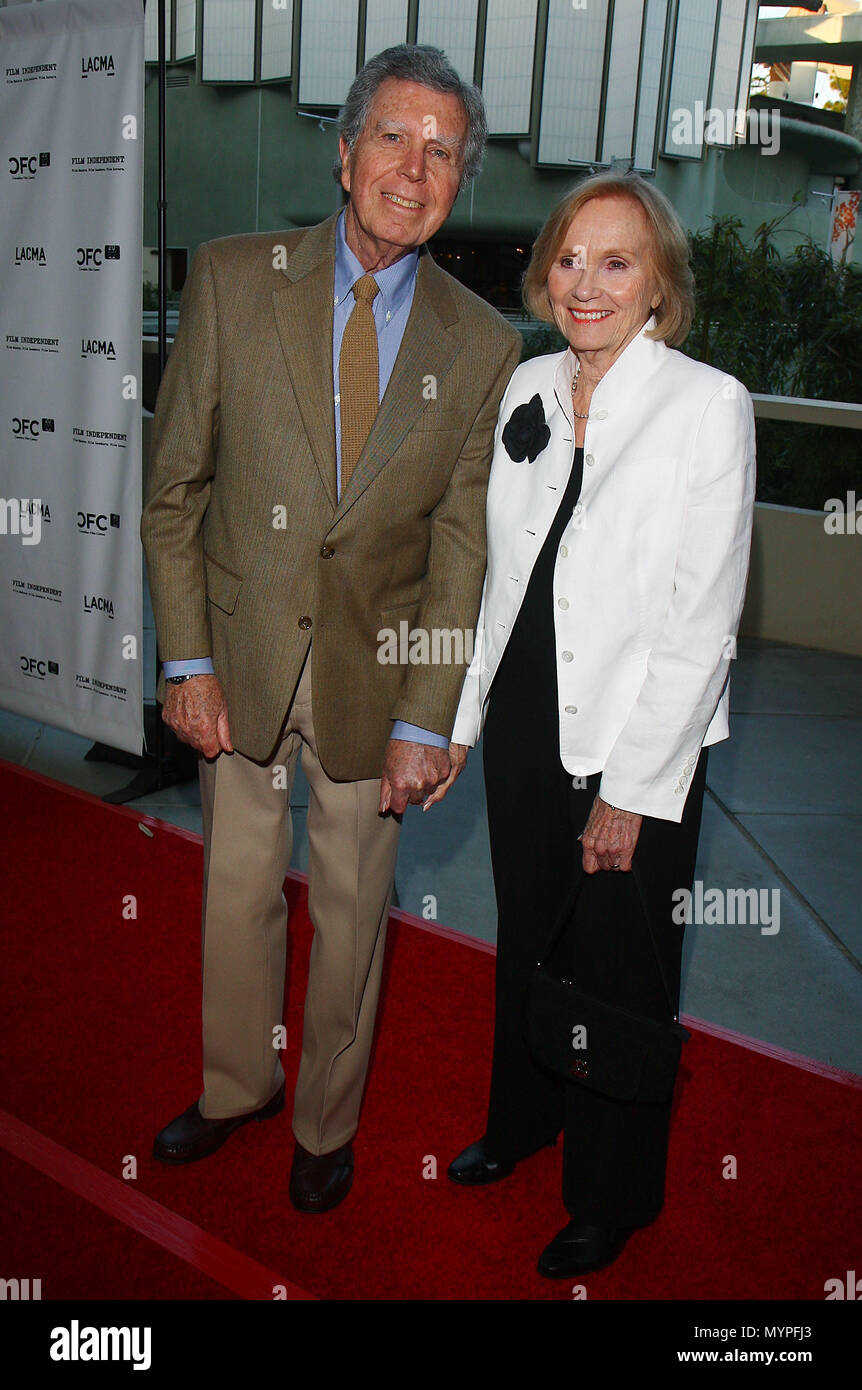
[(213, 1257)]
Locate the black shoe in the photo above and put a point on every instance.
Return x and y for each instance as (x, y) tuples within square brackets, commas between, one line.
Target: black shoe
[(318, 1182), (190, 1137), (576, 1249), (473, 1167)]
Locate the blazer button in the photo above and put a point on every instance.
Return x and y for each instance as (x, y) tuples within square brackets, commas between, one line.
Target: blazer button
[(567, 656), (589, 460), (564, 550), (305, 624), (571, 709), (562, 603), (326, 553)]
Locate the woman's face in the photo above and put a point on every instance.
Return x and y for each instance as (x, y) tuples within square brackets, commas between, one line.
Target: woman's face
[(602, 284)]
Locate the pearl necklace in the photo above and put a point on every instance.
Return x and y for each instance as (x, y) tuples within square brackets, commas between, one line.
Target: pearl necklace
[(574, 385)]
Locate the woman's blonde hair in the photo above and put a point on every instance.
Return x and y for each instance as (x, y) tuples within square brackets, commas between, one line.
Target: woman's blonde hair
[(669, 249)]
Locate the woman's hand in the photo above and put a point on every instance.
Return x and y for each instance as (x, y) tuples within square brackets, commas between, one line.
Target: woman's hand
[(610, 837), (458, 760)]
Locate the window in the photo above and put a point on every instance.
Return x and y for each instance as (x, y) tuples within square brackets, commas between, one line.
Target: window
[(227, 41), (725, 77), (572, 82), (327, 57), (186, 35), (622, 84), (450, 25), (652, 62), (276, 40), (507, 76), (690, 79), (385, 25)]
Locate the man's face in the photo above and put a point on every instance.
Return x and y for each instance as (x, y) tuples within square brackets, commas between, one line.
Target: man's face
[(403, 172)]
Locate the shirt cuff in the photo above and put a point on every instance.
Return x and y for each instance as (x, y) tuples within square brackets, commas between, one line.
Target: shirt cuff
[(413, 734), (201, 666)]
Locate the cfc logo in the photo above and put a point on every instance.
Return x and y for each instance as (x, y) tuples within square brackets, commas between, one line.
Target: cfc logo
[(92, 257), (37, 668), (23, 428), (96, 523), (25, 166)]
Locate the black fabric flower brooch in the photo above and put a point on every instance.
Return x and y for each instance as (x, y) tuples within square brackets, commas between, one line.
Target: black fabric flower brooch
[(526, 434)]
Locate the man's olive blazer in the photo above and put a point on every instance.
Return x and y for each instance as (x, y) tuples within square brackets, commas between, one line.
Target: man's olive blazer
[(250, 554)]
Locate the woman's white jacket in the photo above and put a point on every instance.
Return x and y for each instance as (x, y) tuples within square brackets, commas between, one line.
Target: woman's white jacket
[(650, 574)]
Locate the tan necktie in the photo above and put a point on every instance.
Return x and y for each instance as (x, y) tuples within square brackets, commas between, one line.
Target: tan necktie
[(358, 377)]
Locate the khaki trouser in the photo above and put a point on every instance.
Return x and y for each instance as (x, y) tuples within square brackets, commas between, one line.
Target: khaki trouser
[(351, 867)]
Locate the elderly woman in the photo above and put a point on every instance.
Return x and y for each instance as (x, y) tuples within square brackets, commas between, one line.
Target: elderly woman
[(619, 518)]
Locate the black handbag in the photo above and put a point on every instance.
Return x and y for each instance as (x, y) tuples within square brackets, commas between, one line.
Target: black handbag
[(620, 1054)]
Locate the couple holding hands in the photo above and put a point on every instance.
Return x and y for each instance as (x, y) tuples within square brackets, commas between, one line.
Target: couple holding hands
[(605, 556)]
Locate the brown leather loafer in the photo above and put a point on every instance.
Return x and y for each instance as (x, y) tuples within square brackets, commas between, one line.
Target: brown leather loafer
[(319, 1182), (190, 1136)]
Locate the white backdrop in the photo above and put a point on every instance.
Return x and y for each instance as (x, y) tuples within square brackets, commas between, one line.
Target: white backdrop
[(71, 165)]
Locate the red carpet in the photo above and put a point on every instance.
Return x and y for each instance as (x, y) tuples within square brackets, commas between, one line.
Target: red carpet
[(100, 1041)]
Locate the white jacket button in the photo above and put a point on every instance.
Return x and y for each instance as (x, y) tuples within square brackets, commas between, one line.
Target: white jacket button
[(562, 603), (589, 460), (564, 550), (567, 656), (571, 709)]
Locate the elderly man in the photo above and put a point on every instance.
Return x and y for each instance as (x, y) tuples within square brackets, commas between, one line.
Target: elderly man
[(321, 448)]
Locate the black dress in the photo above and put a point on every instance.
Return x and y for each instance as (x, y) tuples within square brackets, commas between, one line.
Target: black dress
[(614, 1153)]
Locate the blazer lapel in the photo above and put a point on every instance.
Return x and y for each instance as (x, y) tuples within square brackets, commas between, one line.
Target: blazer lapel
[(303, 316), (427, 350)]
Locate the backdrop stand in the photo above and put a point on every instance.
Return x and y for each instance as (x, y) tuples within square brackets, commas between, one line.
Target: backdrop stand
[(171, 762)]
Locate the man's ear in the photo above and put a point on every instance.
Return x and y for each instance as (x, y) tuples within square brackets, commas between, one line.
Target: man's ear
[(344, 156)]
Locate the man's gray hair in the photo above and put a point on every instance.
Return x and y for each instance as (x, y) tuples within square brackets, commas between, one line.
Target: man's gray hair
[(414, 62)]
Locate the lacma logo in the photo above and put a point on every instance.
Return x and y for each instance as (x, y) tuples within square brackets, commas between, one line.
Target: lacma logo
[(98, 347), (30, 255), (97, 603), (98, 63), (76, 1343)]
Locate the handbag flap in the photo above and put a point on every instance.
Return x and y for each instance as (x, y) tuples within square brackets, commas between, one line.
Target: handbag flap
[(608, 1049)]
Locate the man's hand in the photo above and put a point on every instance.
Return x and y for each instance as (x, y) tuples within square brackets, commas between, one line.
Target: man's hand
[(197, 713), (458, 761), (610, 838), (411, 772)]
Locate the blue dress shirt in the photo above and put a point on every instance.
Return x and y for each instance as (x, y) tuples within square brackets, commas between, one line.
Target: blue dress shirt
[(391, 309)]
